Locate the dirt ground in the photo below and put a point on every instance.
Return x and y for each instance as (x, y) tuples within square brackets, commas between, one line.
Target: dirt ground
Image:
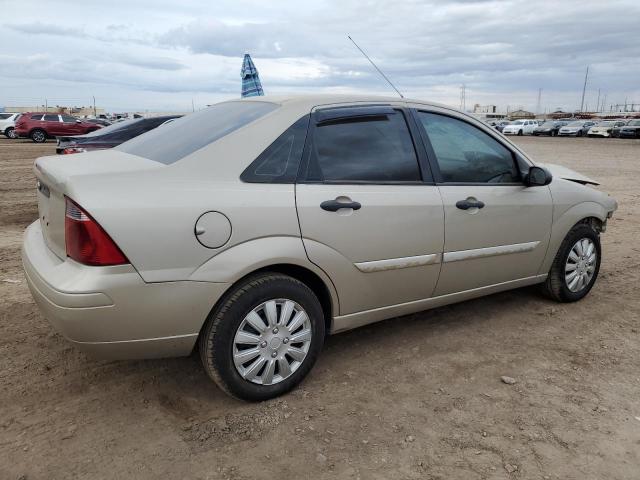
[(416, 397)]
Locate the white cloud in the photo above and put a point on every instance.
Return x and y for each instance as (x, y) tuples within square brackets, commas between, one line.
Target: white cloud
[(160, 54)]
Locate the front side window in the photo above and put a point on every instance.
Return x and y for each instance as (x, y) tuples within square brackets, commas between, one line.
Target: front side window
[(51, 118), (465, 154), (36, 117), (374, 149), (68, 118), (173, 141), (4, 116)]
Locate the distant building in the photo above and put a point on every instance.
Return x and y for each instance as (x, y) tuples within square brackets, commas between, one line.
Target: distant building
[(521, 115), (76, 111), (477, 108)]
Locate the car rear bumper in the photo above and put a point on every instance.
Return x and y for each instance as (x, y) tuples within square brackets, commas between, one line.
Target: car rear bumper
[(110, 312)]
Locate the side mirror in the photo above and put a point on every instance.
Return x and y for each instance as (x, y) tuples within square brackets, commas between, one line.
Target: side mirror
[(78, 120), (537, 177)]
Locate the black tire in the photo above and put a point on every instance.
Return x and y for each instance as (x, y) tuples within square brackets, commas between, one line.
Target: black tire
[(520, 133), (555, 285), (579, 133), (10, 132), (216, 338), (38, 135)]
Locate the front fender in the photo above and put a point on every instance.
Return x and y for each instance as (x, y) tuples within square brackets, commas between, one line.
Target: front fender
[(565, 222)]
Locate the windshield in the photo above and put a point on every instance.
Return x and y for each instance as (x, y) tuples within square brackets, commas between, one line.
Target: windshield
[(605, 124), (634, 123), (517, 122), (575, 124), (175, 140), (548, 124)]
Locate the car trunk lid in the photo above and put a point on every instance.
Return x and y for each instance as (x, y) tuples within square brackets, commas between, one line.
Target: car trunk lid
[(55, 176)]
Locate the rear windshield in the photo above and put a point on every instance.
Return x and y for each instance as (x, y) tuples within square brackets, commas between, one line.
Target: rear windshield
[(175, 140), (113, 127)]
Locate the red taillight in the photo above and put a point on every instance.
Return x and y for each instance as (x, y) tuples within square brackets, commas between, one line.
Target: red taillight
[(86, 241), (70, 150)]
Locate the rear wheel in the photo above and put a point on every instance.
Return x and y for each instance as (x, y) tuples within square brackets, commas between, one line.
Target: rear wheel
[(520, 133), (579, 133), (10, 133), (576, 266), (263, 338), (38, 136)]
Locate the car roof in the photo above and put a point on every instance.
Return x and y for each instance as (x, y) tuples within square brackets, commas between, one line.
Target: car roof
[(317, 100)]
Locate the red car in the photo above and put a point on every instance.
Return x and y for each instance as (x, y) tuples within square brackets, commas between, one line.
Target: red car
[(38, 126)]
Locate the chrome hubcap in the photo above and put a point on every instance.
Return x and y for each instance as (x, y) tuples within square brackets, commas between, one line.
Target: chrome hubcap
[(272, 341), (581, 265)]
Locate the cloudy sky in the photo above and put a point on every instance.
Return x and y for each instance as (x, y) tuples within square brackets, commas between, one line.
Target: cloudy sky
[(159, 55)]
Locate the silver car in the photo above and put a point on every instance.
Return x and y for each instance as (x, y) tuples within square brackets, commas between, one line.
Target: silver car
[(255, 227)]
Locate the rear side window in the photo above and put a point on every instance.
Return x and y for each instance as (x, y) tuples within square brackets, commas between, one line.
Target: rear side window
[(280, 161), (68, 118), (36, 117), (51, 118), (4, 116), (465, 154), (374, 149), (171, 142)]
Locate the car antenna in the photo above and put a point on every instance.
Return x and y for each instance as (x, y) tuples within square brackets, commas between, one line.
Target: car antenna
[(375, 66)]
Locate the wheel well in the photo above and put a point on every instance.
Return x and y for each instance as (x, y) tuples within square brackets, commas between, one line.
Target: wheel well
[(304, 275), (310, 279), (38, 128), (595, 223)]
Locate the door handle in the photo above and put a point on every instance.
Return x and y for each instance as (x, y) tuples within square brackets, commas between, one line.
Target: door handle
[(467, 204), (334, 205)]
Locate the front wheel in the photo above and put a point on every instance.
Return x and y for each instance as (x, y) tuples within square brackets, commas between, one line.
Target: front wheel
[(263, 337), (520, 133), (10, 133), (576, 266)]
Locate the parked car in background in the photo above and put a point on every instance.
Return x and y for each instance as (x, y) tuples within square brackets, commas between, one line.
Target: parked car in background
[(216, 230), (604, 128), (38, 126), (110, 136), (501, 124), (631, 129), (520, 127), (550, 128), (8, 124), (615, 131), (577, 128), (98, 121)]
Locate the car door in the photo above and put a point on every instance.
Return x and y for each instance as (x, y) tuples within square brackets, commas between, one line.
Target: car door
[(52, 124), (70, 126), (370, 214), (496, 229)]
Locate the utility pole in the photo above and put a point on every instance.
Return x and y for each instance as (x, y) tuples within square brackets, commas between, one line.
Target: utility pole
[(584, 88), (538, 105), (598, 102), (46, 105), (193, 108), (463, 97), (604, 102), (94, 107)]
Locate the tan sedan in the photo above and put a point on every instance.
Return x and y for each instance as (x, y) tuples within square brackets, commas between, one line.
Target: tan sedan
[(255, 227)]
